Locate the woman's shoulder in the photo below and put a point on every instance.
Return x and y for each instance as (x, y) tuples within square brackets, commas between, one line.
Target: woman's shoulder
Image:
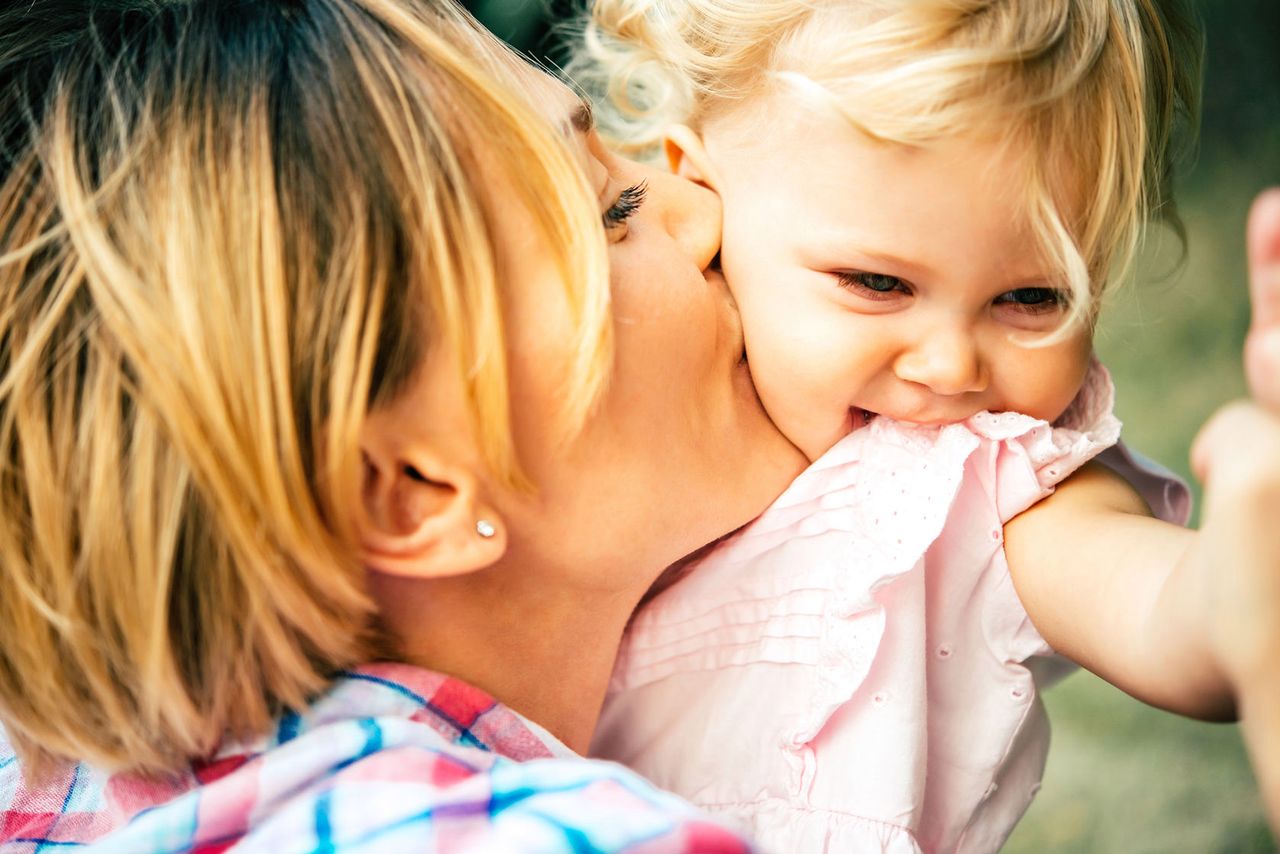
[(66, 807), (392, 758)]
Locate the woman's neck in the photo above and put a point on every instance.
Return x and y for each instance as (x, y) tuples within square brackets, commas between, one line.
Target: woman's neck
[(544, 650)]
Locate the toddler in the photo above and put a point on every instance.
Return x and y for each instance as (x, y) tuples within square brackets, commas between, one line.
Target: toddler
[(924, 203)]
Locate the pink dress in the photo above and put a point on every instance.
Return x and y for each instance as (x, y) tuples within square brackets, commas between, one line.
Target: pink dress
[(854, 671)]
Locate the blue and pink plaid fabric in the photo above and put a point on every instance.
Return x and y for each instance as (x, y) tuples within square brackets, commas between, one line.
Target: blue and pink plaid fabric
[(392, 758)]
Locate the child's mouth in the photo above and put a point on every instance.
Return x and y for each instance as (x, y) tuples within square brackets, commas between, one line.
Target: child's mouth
[(860, 418)]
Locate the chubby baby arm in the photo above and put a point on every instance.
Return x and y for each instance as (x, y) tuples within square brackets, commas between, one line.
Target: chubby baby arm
[(1120, 593)]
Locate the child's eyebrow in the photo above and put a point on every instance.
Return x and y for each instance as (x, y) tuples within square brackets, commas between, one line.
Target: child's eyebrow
[(915, 269), (845, 246)]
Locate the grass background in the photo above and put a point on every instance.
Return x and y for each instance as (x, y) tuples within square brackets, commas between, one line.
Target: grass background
[(1123, 777)]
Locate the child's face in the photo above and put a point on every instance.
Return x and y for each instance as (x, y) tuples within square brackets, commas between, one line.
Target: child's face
[(881, 279)]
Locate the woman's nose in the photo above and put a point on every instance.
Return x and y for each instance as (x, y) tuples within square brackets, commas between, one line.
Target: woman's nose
[(946, 361), (692, 215)]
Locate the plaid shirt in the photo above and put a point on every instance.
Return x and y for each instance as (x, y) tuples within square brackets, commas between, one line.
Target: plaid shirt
[(392, 758)]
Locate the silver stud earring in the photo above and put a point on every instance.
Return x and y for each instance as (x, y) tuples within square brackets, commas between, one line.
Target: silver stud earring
[(485, 529)]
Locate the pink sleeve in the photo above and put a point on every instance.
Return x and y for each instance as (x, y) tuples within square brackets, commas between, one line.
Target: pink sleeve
[(1166, 494)]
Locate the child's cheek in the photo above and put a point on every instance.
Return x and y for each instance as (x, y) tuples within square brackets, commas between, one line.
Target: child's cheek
[(1052, 382)]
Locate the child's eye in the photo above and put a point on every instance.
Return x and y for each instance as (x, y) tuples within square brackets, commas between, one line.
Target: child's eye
[(873, 285), (628, 202), (1033, 300)]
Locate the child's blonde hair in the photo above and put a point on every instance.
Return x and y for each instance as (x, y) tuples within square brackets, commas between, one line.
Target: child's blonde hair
[(1096, 89), (229, 229)]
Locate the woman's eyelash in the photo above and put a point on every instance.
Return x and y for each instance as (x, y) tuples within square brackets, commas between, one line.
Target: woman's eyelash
[(629, 201)]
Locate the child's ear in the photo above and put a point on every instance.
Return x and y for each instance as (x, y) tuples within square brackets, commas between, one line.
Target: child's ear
[(422, 516), (687, 157)]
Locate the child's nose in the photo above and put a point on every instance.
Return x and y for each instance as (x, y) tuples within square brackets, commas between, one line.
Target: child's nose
[(946, 361)]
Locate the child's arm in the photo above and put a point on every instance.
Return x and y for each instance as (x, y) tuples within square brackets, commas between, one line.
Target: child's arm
[(1184, 620), (1118, 592)]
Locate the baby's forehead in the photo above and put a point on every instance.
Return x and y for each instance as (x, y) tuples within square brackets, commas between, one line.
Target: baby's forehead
[(799, 128), (826, 195)]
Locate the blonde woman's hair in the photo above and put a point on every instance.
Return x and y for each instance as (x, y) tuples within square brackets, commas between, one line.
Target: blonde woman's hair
[(1101, 93), (229, 229)]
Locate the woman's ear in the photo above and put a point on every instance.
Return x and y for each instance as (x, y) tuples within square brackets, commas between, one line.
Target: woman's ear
[(422, 515), (687, 157)]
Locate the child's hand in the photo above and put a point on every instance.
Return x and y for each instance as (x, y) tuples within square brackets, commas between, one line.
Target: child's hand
[(1237, 458)]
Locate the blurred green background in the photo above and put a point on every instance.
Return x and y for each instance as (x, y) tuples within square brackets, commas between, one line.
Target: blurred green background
[(1123, 777)]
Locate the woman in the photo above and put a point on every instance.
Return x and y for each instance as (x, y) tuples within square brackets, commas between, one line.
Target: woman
[(306, 361)]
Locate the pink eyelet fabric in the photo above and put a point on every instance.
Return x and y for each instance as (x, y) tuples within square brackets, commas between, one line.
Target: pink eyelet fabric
[(854, 671)]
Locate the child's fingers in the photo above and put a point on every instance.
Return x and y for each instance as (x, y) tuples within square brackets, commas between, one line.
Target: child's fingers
[(1264, 259), (1262, 349)]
